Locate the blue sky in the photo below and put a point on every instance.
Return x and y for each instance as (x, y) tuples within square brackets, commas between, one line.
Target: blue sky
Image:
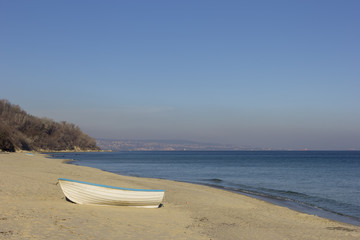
[(272, 74)]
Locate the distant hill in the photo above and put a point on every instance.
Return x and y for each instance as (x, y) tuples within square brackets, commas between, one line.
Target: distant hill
[(163, 145), (22, 131)]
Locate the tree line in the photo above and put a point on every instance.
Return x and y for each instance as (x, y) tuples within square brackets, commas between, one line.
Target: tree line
[(22, 131)]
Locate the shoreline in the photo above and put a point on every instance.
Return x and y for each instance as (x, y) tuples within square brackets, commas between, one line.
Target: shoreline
[(287, 203), (296, 206), (34, 207), (292, 204)]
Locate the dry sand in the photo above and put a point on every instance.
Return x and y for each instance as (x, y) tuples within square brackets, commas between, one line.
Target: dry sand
[(32, 206)]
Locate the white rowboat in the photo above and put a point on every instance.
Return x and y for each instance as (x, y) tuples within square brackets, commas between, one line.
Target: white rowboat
[(96, 194)]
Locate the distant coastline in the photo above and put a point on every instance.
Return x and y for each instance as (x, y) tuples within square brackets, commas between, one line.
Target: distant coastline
[(167, 145), (119, 145)]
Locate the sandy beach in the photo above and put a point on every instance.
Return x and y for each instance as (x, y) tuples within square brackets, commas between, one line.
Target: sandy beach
[(34, 207)]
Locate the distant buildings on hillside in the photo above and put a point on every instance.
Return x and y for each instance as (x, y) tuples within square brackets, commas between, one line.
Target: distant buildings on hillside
[(163, 145)]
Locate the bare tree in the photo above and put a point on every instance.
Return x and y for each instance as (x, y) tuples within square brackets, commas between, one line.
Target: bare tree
[(19, 130)]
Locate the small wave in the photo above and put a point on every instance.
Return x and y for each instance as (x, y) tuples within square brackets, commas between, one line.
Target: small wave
[(285, 192), (216, 180)]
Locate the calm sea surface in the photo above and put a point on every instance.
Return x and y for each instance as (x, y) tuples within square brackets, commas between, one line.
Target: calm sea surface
[(316, 182)]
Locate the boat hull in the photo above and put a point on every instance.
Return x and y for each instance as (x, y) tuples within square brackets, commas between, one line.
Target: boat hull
[(95, 194)]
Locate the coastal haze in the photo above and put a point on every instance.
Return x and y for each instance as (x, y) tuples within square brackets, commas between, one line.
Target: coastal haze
[(263, 74), (117, 145)]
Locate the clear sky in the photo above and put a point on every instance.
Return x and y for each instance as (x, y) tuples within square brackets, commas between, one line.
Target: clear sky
[(273, 74)]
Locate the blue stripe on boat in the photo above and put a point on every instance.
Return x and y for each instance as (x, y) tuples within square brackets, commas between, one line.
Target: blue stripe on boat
[(100, 185)]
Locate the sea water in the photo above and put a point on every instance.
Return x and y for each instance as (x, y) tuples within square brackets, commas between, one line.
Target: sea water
[(323, 183)]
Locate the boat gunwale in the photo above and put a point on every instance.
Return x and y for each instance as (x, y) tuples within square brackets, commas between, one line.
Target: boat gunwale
[(111, 187)]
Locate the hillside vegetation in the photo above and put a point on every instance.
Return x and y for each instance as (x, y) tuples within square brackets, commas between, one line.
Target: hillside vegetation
[(22, 131)]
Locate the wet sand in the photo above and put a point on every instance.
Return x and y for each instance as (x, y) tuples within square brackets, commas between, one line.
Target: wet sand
[(32, 206)]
